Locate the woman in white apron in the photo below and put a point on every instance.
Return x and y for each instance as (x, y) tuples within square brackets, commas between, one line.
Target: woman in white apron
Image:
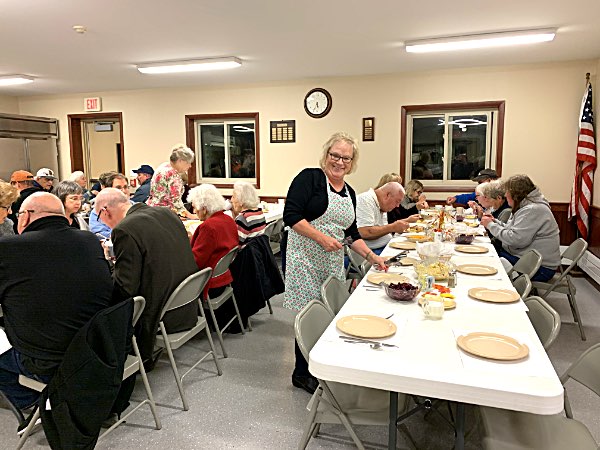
[(320, 210)]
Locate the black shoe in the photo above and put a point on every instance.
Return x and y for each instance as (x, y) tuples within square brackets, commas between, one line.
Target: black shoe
[(308, 383)]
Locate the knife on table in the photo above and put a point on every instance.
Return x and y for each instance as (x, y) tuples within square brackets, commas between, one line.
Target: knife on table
[(366, 341)]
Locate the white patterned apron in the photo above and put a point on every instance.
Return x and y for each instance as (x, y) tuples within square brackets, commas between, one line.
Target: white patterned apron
[(307, 264)]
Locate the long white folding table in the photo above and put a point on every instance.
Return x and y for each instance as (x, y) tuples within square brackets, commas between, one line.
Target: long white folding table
[(428, 362)]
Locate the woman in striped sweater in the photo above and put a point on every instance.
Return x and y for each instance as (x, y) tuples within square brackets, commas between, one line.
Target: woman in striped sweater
[(249, 218)]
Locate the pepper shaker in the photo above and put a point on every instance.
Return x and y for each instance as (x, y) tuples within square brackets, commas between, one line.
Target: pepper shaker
[(452, 278)]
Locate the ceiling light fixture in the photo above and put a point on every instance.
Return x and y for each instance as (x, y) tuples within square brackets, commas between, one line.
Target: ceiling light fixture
[(484, 40), (193, 65), (12, 80)]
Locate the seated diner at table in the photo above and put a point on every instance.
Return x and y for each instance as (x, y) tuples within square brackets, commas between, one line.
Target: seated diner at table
[(413, 201), (489, 198), (8, 194), (71, 195), (483, 176), (212, 240), (249, 217), (531, 226)]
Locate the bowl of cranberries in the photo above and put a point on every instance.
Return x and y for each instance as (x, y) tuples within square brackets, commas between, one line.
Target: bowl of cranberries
[(404, 292)]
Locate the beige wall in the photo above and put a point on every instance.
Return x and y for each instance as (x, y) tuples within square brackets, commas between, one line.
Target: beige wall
[(542, 104), (9, 105)]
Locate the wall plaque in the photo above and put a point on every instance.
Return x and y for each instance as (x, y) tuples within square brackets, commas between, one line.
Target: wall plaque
[(283, 131), (368, 127)]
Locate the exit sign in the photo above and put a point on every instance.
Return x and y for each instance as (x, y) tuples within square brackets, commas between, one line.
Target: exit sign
[(93, 104)]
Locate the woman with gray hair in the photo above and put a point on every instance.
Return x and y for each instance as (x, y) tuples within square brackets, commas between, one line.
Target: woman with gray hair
[(249, 218), (166, 187), (490, 198), (79, 177), (71, 195)]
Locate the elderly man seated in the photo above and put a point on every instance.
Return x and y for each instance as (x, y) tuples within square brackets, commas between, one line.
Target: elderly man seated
[(45, 303), (153, 256), (371, 217)]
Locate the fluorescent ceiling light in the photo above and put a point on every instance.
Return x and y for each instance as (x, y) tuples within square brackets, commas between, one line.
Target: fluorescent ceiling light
[(480, 41), (193, 65), (12, 80)]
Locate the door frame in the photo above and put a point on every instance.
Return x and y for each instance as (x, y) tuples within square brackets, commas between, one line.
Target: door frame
[(76, 141)]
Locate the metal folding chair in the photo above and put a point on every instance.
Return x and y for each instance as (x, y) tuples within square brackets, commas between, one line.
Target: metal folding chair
[(334, 294), (545, 320)]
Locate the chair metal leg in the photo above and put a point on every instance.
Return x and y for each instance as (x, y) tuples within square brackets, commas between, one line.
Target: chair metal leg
[(212, 349), (270, 307), (237, 312), (174, 367), (217, 329), (147, 386), (249, 324), (30, 425), (576, 315)]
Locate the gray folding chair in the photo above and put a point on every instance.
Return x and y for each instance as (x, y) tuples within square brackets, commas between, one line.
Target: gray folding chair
[(133, 364), (334, 294), (545, 320), (562, 283), (336, 402), (528, 264), (212, 304), (189, 290), (275, 240), (504, 215), (357, 265), (269, 229), (504, 429), (523, 285)]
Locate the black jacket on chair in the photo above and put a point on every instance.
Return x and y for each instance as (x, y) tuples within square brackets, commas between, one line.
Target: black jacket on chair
[(256, 277), (86, 384)]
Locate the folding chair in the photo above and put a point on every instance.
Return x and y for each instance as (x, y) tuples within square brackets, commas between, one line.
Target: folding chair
[(189, 290), (275, 237), (523, 285), (337, 402), (269, 229), (514, 430), (528, 264), (212, 304), (562, 283), (334, 294), (357, 265), (545, 320)]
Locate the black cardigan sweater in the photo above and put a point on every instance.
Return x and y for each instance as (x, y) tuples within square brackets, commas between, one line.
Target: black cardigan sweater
[(307, 199)]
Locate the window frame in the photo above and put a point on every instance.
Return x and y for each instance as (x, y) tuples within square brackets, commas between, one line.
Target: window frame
[(191, 141), (444, 108)]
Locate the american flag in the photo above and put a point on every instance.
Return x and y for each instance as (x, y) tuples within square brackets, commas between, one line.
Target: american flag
[(585, 164)]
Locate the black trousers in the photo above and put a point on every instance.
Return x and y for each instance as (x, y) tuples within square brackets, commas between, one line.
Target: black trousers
[(301, 367)]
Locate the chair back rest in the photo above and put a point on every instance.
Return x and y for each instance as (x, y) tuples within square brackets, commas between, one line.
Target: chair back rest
[(223, 265), (334, 294), (523, 285), (310, 324), (504, 215), (269, 229), (574, 252), (545, 320), (355, 261), (529, 263), (278, 227), (586, 369), (189, 290), (139, 303)]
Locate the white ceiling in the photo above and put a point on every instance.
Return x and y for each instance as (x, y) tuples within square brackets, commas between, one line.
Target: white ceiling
[(277, 40)]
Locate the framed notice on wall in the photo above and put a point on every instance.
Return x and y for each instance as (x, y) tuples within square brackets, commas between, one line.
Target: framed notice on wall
[(283, 131), (368, 127)]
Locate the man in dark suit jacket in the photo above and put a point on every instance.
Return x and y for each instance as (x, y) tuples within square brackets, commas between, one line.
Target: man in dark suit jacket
[(153, 256), (46, 292)]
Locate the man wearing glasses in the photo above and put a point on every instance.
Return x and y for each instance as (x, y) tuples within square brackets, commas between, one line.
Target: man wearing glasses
[(99, 227), (46, 292)]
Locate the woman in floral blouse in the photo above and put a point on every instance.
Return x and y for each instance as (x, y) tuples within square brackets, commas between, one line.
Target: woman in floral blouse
[(166, 186)]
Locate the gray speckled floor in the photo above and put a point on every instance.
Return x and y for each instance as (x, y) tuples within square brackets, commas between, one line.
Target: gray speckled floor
[(254, 406)]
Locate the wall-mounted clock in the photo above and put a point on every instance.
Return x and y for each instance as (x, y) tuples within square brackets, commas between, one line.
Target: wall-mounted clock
[(317, 103)]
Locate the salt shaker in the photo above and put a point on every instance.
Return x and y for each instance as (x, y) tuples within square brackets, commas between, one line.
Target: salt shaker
[(452, 278)]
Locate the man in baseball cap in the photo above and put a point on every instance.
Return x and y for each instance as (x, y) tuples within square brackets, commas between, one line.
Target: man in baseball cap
[(26, 185), (144, 176), (483, 176), (45, 178)]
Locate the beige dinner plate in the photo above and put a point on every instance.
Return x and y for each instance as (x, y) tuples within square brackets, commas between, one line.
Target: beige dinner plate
[(493, 346), (476, 269), (494, 295), (408, 261), (417, 238), (370, 327), (448, 303), (403, 245), (378, 278), (471, 249)]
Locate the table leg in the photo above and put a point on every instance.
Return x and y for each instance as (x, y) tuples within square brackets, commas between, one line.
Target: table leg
[(459, 442), (392, 426)]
